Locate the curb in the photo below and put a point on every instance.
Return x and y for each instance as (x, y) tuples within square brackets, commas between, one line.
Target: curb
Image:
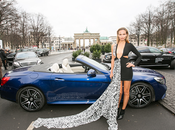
[(171, 109), (169, 101), (54, 53)]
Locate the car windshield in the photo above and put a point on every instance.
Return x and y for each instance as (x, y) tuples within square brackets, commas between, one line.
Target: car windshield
[(95, 63), (24, 49), (143, 49), (39, 50), (26, 55), (154, 50), (32, 49)]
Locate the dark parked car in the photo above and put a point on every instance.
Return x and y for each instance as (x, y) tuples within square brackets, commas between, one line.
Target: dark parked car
[(151, 56), (168, 50), (80, 83), (32, 49), (26, 59), (10, 57), (42, 52)]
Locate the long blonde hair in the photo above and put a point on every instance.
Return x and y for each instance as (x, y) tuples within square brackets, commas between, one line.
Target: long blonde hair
[(127, 38)]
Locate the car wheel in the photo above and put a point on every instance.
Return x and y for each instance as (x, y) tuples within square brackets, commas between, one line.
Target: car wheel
[(140, 95), (172, 65), (31, 99)]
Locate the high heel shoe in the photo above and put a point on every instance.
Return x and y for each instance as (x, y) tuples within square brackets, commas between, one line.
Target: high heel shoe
[(121, 115)]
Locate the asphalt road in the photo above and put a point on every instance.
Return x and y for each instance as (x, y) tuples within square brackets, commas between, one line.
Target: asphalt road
[(153, 117)]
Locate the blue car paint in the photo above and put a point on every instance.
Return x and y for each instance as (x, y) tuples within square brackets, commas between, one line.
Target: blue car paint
[(76, 88)]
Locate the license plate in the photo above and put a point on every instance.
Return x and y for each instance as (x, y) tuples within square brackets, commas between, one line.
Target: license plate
[(158, 59)]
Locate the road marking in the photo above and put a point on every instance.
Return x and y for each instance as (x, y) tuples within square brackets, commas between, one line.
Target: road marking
[(30, 126)]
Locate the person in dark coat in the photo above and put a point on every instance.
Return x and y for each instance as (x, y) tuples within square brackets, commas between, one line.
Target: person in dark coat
[(0, 70), (3, 58)]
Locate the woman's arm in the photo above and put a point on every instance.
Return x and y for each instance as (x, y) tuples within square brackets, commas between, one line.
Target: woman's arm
[(112, 61), (139, 57)]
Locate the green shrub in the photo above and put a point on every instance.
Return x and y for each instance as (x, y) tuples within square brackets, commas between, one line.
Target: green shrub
[(102, 48), (107, 48), (96, 54), (86, 54), (92, 48), (74, 54), (97, 47), (79, 52)]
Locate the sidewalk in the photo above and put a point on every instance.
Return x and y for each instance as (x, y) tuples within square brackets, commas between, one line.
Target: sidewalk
[(60, 52), (168, 102)]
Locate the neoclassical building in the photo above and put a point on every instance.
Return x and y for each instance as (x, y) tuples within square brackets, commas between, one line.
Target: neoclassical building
[(86, 35)]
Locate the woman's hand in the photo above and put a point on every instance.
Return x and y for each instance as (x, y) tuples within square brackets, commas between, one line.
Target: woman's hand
[(111, 75), (128, 65)]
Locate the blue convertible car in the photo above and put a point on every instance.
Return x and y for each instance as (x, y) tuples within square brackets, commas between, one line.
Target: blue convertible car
[(80, 83)]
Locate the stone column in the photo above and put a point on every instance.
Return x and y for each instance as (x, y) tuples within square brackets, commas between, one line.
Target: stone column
[(98, 41), (83, 43), (89, 42), (74, 43), (93, 41), (79, 44), (67, 46)]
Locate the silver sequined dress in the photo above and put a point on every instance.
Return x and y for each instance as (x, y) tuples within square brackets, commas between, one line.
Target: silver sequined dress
[(106, 105)]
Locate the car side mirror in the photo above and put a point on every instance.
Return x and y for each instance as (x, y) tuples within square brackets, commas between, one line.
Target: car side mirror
[(91, 73)]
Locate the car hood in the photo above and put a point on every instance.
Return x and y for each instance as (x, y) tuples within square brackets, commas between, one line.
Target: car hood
[(27, 60)]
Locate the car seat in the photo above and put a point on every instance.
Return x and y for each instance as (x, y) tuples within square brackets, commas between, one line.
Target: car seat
[(66, 67), (55, 68)]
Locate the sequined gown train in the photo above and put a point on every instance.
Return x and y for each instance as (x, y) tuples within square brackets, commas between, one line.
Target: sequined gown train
[(106, 105)]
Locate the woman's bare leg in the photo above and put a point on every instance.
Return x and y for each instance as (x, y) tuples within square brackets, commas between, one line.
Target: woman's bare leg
[(127, 85)]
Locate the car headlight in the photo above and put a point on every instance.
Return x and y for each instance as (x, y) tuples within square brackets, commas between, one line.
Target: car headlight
[(16, 64), (39, 62), (160, 80), (108, 57)]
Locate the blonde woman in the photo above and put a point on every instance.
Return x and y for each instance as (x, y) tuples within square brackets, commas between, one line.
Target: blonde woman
[(106, 105), (120, 52)]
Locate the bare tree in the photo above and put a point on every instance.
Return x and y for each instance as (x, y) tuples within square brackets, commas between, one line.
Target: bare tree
[(49, 34), (170, 5), (24, 27), (135, 28), (163, 22), (8, 17), (38, 28), (147, 24)]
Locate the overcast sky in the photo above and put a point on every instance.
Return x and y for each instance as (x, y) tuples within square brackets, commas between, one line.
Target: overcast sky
[(99, 16)]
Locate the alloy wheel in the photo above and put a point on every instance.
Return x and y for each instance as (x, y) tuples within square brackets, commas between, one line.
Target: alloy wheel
[(31, 99), (140, 95)]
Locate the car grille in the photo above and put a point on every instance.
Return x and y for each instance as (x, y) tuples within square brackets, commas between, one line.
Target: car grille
[(28, 63)]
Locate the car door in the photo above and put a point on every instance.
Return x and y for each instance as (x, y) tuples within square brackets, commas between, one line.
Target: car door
[(147, 57), (160, 58), (157, 55), (77, 87)]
